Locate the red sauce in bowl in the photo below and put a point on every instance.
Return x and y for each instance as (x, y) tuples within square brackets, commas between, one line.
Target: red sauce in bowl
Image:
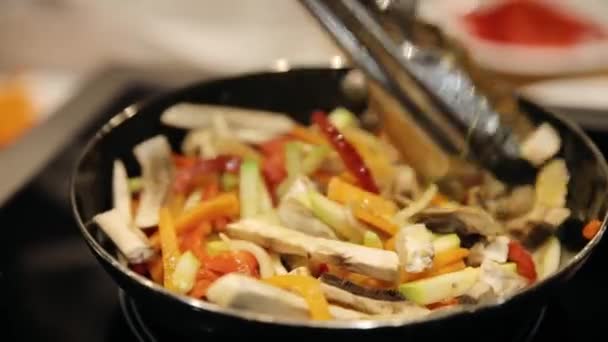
[(530, 22)]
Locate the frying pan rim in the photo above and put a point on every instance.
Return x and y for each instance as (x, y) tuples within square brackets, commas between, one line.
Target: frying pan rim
[(201, 305)]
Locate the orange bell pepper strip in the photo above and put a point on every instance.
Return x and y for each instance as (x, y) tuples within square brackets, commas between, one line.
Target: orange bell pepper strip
[(449, 257), (169, 247), (444, 262), (443, 303), (367, 207), (591, 228), (389, 244), (155, 267), (433, 272), (345, 193), (307, 135), (307, 287), (226, 204), (381, 223)]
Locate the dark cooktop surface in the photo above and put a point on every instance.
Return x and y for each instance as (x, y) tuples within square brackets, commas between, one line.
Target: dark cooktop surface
[(52, 288)]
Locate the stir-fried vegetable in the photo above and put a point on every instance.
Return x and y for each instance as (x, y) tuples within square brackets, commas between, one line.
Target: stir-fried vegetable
[(169, 247), (309, 288), (329, 221)]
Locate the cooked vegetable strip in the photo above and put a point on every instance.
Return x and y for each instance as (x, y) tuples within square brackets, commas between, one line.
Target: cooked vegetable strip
[(295, 215), (185, 272), (169, 247), (444, 262), (436, 289), (523, 259), (263, 258), (229, 181), (343, 118), (223, 205), (379, 222), (249, 189), (121, 195), (371, 239), (591, 228), (336, 216), (342, 192), (314, 159), (347, 152), (131, 242), (293, 159), (265, 201), (154, 157), (374, 262), (307, 287)]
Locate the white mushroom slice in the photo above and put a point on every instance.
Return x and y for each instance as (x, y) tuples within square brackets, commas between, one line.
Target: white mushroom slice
[(414, 245), (121, 196), (497, 250), (463, 220), (129, 240), (154, 157), (195, 116), (360, 303), (502, 281), (245, 293), (373, 262), (541, 145), (296, 216)]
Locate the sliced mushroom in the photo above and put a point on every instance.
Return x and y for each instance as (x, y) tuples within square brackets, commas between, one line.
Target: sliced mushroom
[(129, 240), (154, 157), (389, 295), (414, 245), (364, 304), (536, 226), (373, 262), (196, 116), (463, 220), (518, 202), (121, 196)]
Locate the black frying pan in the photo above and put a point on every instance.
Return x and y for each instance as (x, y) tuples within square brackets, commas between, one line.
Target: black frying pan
[(299, 92)]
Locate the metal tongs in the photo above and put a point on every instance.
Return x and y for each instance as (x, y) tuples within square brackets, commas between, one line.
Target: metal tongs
[(425, 101)]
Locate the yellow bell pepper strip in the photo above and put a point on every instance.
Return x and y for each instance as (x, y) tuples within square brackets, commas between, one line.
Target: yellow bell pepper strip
[(169, 247), (307, 287), (226, 204), (368, 207)]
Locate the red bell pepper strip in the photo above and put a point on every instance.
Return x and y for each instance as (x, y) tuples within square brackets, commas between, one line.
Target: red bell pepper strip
[(185, 177), (351, 158), (523, 260)]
